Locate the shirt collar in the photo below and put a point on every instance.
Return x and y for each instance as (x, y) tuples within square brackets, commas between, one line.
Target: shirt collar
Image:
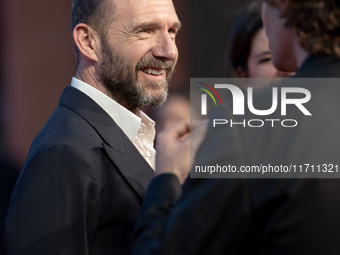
[(124, 118), (147, 126)]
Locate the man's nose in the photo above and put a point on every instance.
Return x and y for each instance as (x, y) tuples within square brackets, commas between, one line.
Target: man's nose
[(165, 47)]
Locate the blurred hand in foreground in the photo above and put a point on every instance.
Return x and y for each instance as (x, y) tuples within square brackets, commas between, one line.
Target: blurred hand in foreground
[(173, 148)]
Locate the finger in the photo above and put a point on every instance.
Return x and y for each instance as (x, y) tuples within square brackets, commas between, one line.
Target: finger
[(196, 123), (182, 128)]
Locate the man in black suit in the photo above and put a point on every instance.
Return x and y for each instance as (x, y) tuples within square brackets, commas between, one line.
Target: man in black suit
[(262, 216), (87, 171)]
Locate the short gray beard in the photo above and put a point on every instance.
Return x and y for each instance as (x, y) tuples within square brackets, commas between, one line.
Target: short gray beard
[(123, 84)]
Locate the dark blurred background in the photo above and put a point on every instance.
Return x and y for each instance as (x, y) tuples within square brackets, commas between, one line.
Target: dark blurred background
[(37, 59)]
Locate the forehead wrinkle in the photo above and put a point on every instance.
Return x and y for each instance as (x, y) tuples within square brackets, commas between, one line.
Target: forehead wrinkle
[(141, 13), (132, 13)]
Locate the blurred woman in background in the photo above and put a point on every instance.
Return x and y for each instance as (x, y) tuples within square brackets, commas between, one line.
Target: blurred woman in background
[(249, 51)]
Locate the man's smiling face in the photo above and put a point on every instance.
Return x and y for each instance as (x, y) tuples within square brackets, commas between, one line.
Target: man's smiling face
[(139, 53)]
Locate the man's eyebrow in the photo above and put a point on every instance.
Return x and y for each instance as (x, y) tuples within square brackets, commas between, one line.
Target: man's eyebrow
[(176, 25)]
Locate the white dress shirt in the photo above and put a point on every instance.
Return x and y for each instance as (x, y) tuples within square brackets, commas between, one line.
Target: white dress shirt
[(139, 129)]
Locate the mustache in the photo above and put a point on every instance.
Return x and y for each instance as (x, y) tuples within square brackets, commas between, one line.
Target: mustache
[(154, 62)]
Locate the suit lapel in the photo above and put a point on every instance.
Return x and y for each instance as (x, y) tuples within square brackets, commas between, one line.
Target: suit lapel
[(117, 145), (133, 166)]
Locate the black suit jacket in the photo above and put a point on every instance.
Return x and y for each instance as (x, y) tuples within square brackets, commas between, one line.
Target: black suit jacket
[(254, 216), (81, 187)]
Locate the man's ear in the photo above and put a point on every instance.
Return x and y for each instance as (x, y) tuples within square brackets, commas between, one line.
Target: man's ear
[(87, 41)]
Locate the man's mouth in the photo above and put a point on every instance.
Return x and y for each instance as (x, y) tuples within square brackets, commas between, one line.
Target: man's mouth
[(153, 71)]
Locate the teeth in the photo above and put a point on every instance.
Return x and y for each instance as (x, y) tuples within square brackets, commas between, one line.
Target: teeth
[(153, 71)]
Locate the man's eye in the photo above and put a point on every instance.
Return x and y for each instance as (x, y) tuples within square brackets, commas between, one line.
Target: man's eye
[(172, 31), (144, 30)]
